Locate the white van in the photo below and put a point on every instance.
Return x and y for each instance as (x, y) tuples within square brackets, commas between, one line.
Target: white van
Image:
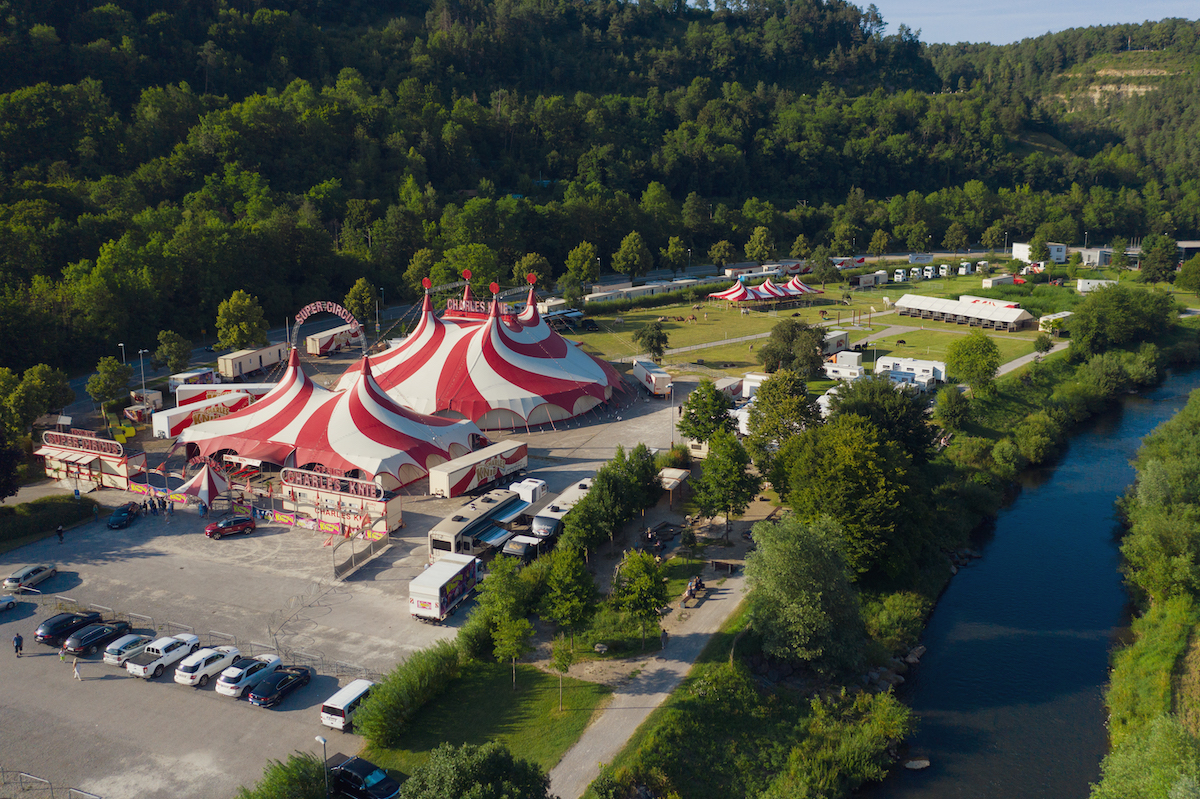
[(338, 710), (914, 273), (929, 272), (944, 270), (898, 277)]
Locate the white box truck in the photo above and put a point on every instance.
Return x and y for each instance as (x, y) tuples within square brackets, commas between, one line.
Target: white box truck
[(173, 421), (479, 468), (438, 591), (196, 377), (334, 339), (243, 362), (652, 377)]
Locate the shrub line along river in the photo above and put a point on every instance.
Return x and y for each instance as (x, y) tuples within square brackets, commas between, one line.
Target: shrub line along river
[(1009, 696)]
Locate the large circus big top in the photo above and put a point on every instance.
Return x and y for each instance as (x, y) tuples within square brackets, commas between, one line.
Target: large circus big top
[(357, 428), (495, 369)]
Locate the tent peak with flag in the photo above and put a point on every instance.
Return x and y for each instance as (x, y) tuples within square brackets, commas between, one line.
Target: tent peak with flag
[(206, 485)]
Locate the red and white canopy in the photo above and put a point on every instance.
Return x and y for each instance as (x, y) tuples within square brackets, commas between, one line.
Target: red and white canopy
[(735, 293), (769, 291), (262, 431), (362, 428), (497, 371), (206, 485), (796, 286)]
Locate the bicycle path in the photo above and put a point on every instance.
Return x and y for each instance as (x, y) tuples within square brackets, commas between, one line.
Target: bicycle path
[(656, 677)]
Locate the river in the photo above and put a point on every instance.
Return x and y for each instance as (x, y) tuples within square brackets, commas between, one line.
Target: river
[(1009, 696)]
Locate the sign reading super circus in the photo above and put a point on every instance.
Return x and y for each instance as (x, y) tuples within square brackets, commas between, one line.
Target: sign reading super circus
[(322, 306), (100, 446)]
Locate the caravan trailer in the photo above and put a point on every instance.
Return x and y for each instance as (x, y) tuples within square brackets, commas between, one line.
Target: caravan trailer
[(243, 362)]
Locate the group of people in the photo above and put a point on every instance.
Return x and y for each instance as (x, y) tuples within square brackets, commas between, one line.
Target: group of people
[(694, 586), (153, 505), (19, 647)]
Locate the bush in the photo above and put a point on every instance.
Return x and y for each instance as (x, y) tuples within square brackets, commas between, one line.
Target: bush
[(677, 457), (301, 777), (896, 620), (1007, 457), (953, 409), (475, 640), (1037, 438), (43, 516), (1163, 763), (405, 690), (618, 631), (972, 451)]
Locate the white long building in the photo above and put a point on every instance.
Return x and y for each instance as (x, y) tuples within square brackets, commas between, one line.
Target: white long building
[(981, 312)]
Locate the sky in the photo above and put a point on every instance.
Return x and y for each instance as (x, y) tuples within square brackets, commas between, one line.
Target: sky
[(1006, 21)]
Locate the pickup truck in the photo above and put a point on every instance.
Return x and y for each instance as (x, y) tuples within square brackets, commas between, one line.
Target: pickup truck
[(162, 653), (360, 779)]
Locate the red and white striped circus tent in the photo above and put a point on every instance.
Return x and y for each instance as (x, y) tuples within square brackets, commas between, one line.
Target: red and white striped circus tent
[(736, 293), (796, 287), (769, 291), (206, 485), (361, 428), (358, 429), (265, 430), (495, 368)]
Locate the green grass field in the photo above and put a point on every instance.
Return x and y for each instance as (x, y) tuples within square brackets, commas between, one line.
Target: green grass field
[(481, 706)]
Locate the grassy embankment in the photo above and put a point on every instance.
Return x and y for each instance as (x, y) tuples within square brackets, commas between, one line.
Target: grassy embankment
[(481, 705), (32, 521)]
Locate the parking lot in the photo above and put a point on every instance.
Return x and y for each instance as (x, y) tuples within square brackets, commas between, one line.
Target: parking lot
[(118, 736)]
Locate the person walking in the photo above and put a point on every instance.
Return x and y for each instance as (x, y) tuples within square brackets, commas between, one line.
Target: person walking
[(95, 513), (62, 653), (665, 636), (75, 668), (60, 534), (18, 644)]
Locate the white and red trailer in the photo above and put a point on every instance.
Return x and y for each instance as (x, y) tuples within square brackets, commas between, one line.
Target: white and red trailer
[(187, 395), (172, 422), (479, 468)]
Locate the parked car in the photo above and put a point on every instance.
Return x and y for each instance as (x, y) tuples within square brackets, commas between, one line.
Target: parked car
[(56, 629), (160, 654), (589, 325), (200, 667), (125, 647), (275, 686), (91, 639), (361, 779), (7, 602), (28, 576), (123, 516), (246, 674), (238, 524)]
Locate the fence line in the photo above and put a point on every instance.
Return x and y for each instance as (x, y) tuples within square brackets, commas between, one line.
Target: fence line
[(28, 783), (357, 557)]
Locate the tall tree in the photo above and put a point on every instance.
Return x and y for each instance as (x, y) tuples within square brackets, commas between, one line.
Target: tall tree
[(583, 263), (1189, 275), (761, 246), (241, 323), (956, 237), (562, 657), (721, 253), (533, 264), (781, 409), (10, 461), (511, 637), (639, 589), (362, 300), (570, 590), (673, 256), (847, 470), (1159, 258), (174, 351), (801, 248), (794, 345), (705, 411), (898, 415), (1120, 253), (633, 258), (40, 391), (652, 339), (110, 381), (879, 243), (726, 485), (801, 594), (993, 238), (974, 359), (419, 268)]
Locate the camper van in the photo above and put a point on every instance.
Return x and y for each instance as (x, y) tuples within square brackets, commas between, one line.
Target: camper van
[(338, 710)]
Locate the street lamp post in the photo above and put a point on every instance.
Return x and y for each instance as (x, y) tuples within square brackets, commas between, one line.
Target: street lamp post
[(1006, 241), (689, 257), (142, 361), (1085, 239), (122, 346), (324, 764)]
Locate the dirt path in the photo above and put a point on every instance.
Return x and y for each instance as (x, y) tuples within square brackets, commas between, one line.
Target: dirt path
[(641, 684)]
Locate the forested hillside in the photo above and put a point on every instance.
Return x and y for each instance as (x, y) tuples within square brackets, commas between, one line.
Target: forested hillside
[(155, 156)]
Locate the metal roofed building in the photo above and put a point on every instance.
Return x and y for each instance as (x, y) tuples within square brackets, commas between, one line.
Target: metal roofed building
[(973, 312)]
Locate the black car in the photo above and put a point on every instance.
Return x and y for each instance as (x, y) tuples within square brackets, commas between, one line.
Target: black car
[(362, 779), (94, 637), (123, 516), (56, 629), (274, 687), (589, 325)]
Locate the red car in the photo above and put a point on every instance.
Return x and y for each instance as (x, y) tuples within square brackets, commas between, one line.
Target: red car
[(238, 524)]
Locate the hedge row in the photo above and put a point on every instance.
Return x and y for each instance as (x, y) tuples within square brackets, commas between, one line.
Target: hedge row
[(42, 516), (404, 691)]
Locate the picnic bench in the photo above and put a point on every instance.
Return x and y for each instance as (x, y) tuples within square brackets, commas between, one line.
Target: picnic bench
[(723, 566)]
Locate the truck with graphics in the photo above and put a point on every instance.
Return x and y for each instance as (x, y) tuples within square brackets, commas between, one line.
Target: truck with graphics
[(438, 591)]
